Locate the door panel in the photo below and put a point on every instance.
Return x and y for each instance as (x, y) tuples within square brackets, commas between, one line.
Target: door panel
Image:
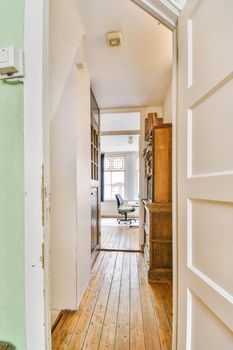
[(209, 44), (205, 325), (205, 176), (212, 235), (212, 154)]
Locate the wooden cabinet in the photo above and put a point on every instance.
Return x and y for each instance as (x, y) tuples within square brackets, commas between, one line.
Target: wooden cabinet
[(95, 178), (158, 206), (158, 240)]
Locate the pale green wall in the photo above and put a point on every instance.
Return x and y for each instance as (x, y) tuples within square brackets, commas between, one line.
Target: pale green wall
[(12, 303)]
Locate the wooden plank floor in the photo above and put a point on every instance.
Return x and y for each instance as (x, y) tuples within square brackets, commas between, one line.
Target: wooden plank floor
[(119, 310), (120, 238)]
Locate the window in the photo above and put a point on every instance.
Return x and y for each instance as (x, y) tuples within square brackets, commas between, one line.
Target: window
[(138, 177), (114, 176)]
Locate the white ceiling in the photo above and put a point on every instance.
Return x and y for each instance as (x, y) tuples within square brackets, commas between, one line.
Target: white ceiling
[(139, 72), (120, 121), (119, 143)]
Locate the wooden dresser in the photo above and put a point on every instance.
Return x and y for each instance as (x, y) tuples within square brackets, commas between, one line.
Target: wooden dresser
[(158, 205)]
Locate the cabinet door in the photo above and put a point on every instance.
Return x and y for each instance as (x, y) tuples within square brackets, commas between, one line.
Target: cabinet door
[(94, 218)]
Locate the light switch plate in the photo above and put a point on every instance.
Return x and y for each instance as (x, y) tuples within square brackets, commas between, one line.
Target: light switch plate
[(11, 63), (4, 55)]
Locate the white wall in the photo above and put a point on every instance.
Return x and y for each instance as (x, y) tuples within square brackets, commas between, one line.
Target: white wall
[(154, 109), (70, 192), (167, 105), (70, 153), (63, 197), (66, 33), (83, 183), (131, 176), (118, 143), (120, 121)]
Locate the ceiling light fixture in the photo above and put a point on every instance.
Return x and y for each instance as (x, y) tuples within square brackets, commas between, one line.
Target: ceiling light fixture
[(130, 140)]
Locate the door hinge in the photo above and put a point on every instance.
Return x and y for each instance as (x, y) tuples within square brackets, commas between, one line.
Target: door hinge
[(43, 193), (42, 256)]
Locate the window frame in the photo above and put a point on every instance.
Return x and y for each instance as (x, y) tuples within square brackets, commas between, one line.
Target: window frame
[(118, 154)]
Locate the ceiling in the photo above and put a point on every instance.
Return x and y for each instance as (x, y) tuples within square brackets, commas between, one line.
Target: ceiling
[(119, 143), (137, 73), (120, 121)]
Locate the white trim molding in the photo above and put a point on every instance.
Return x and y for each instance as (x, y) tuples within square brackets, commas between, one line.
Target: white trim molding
[(38, 330), (165, 11)]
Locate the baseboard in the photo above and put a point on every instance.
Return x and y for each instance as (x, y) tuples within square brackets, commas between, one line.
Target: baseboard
[(94, 254), (56, 316), (160, 275), (118, 217), (121, 250)]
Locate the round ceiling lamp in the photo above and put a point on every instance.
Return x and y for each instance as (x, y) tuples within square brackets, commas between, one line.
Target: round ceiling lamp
[(130, 140)]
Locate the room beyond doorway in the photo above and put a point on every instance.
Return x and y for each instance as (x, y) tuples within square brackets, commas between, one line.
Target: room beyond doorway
[(120, 177), (116, 237)]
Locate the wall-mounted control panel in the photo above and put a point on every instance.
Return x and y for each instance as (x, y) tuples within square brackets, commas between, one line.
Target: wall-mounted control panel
[(11, 63)]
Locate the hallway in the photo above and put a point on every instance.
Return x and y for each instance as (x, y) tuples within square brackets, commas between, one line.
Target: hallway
[(119, 310), (121, 237)]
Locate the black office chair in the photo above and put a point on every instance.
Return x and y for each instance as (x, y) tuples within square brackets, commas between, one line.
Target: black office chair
[(123, 210)]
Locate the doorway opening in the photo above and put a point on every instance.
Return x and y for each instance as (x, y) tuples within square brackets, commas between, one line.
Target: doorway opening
[(120, 181), (116, 161)]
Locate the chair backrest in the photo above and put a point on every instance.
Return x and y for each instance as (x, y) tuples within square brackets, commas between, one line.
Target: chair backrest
[(119, 200)]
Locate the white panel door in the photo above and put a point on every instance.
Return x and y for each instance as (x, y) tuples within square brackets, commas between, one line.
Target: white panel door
[(205, 176)]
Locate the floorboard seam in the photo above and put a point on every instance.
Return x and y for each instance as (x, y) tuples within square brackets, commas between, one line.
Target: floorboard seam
[(93, 308), (139, 285), (119, 301), (96, 303), (108, 299)]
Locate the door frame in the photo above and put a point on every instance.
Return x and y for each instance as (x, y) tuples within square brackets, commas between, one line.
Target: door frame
[(36, 142), (36, 175), (175, 188), (142, 112), (167, 12)]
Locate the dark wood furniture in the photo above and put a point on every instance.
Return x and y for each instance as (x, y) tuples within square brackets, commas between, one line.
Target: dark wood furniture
[(95, 178), (158, 205)]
